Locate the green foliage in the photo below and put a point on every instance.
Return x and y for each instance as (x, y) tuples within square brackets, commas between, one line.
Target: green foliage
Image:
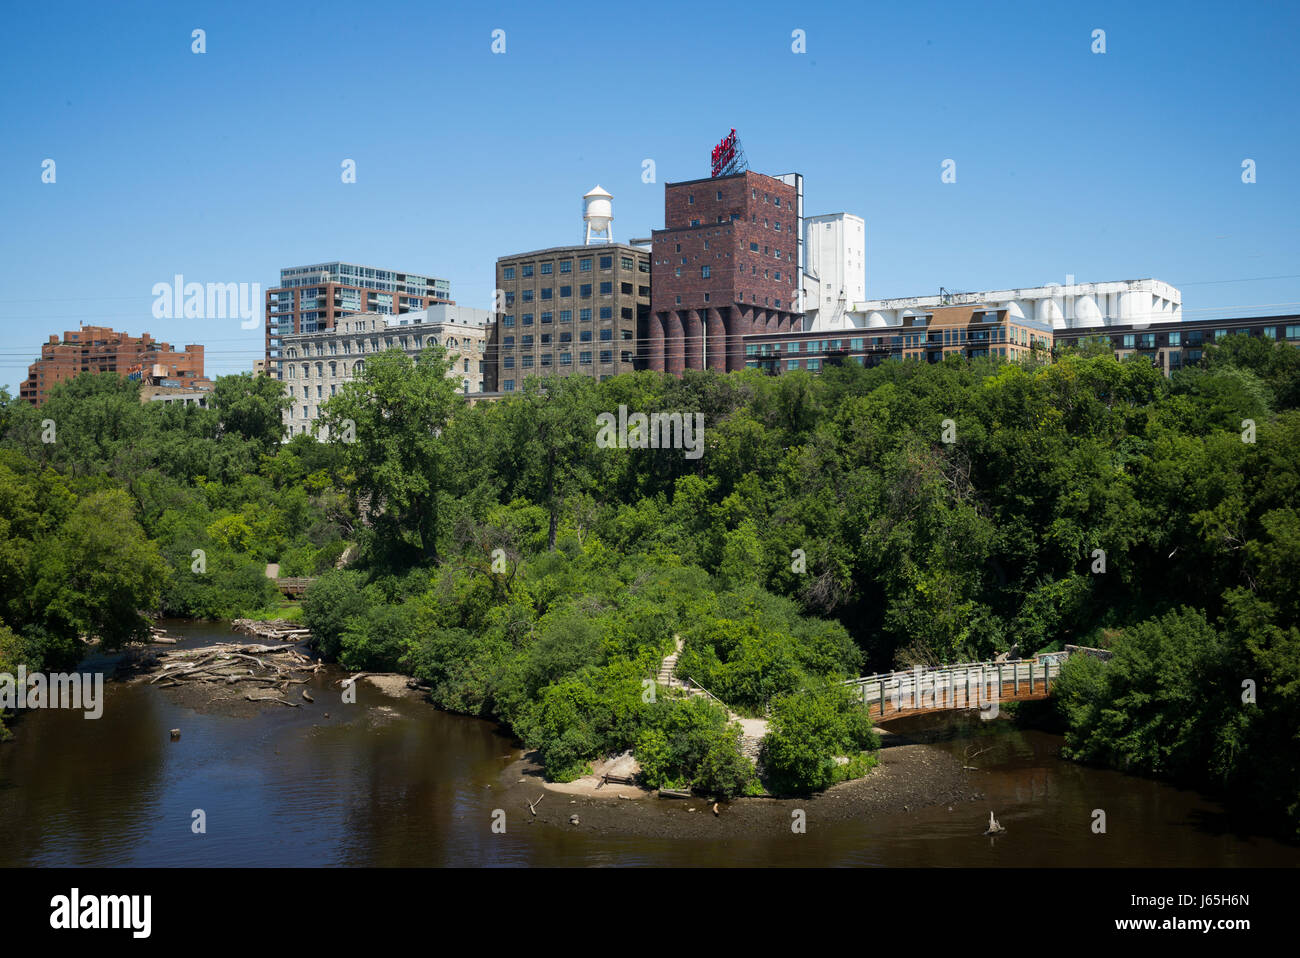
[(808, 729)]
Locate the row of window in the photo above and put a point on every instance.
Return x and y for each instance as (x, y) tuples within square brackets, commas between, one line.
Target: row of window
[(566, 292), (566, 316), (566, 266), (566, 359), (584, 336)]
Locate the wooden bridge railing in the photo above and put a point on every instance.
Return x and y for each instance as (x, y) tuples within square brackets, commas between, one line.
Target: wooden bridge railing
[(293, 585), (964, 686)]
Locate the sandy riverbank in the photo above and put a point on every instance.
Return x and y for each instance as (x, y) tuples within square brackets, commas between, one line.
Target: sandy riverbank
[(908, 777)]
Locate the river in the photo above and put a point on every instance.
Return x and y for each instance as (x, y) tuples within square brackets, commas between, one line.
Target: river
[(395, 782)]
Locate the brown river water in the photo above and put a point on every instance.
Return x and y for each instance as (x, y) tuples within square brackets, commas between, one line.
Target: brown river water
[(393, 781)]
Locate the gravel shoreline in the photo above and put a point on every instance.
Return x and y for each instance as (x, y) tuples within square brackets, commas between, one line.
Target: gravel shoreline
[(908, 777)]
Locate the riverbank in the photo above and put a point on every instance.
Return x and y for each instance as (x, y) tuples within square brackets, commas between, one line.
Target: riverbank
[(908, 778)]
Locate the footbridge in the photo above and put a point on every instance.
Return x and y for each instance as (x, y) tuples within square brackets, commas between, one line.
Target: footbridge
[(969, 685)]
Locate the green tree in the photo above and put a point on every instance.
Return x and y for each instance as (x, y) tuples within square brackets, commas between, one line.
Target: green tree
[(389, 422)]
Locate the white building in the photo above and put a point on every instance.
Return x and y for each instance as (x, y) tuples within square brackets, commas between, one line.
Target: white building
[(835, 272), (1076, 306), (316, 364)]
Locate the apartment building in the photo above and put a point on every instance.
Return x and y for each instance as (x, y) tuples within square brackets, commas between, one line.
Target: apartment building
[(104, 350), (313, 298), (316, 364)]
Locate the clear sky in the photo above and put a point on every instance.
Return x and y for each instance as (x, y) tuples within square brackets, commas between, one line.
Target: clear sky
[(225, 166)]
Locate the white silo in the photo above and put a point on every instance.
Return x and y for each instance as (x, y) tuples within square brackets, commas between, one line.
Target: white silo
[(598, 214)]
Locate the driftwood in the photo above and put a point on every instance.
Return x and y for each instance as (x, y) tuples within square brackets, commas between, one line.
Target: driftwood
[(532, 806), (232, 663)]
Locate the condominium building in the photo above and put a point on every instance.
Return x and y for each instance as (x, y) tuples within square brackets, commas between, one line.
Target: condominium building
[(314, 298), (316, 364), (1173, 345), (104, 350), (929, 335), (569, 310)]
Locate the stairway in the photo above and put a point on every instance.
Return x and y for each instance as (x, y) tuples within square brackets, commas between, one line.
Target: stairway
[(668, 665)]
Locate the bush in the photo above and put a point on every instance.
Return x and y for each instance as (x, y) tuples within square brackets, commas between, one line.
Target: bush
[(331, 602), (808, 729)]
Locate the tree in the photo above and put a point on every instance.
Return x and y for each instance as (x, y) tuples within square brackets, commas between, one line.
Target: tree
[(389, 422), (100, 572), (252, 407)]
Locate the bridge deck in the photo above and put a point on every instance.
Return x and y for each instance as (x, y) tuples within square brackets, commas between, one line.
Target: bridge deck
[(955, 687)]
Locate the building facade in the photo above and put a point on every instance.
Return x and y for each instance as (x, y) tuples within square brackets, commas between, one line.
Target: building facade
[(835, 272), (104, 350), (1063, 307), (969, 331), (316, 364), (314, 298), (726, 265), (569, 310), (1171, 346)]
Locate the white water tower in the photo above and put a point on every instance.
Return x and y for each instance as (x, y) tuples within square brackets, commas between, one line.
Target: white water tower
[(598, 214)]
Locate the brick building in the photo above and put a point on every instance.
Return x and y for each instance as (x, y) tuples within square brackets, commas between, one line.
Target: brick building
[(726, 265), (569, 310), (99, 349)]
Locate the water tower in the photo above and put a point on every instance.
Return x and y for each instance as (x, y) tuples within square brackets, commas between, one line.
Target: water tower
[(598, 214)]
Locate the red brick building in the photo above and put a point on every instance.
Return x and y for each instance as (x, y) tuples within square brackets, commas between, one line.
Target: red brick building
[(725, 265), (99, 349)]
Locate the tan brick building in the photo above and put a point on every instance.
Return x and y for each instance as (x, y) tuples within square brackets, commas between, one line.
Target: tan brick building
[(569, 310)]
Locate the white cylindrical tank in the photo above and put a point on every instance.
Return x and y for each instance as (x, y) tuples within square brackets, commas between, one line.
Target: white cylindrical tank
[(598, 210)]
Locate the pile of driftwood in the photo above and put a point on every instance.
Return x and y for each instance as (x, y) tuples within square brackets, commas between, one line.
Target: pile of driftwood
[(276, 630), (263, 672)]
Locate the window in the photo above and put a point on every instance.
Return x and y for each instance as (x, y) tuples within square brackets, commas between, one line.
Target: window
[(566, 315), (507, 342), (526, 319), (584, 265), (547, 268), (607, 262), (526, 362), (508, 272), (526, 340), (606, 289), (566, 292), (584, 316), (546, 339), (1269, 332), (584, 359), (753, 247), (606, 312), (566, 267), (584, 291), (606, 335), (508, 362), (508, 386), (1219, 334), (566, 337), (704, 272), (507, 320), (625, 262), (606, 355), (526, 296), (526, 271), (546, 318), (546, 292), (719, 194), (546, 359), (690, 199), (584, 336), (566, 359), (1293, 332)]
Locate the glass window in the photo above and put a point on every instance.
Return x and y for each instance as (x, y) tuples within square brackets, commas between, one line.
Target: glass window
[(526, 270), (584, 265), (508, 272)]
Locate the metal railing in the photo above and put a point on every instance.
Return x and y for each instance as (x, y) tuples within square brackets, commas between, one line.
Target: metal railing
[(965, 685)]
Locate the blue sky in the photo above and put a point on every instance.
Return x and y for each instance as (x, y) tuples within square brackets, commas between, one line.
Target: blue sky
[(225, 166)]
